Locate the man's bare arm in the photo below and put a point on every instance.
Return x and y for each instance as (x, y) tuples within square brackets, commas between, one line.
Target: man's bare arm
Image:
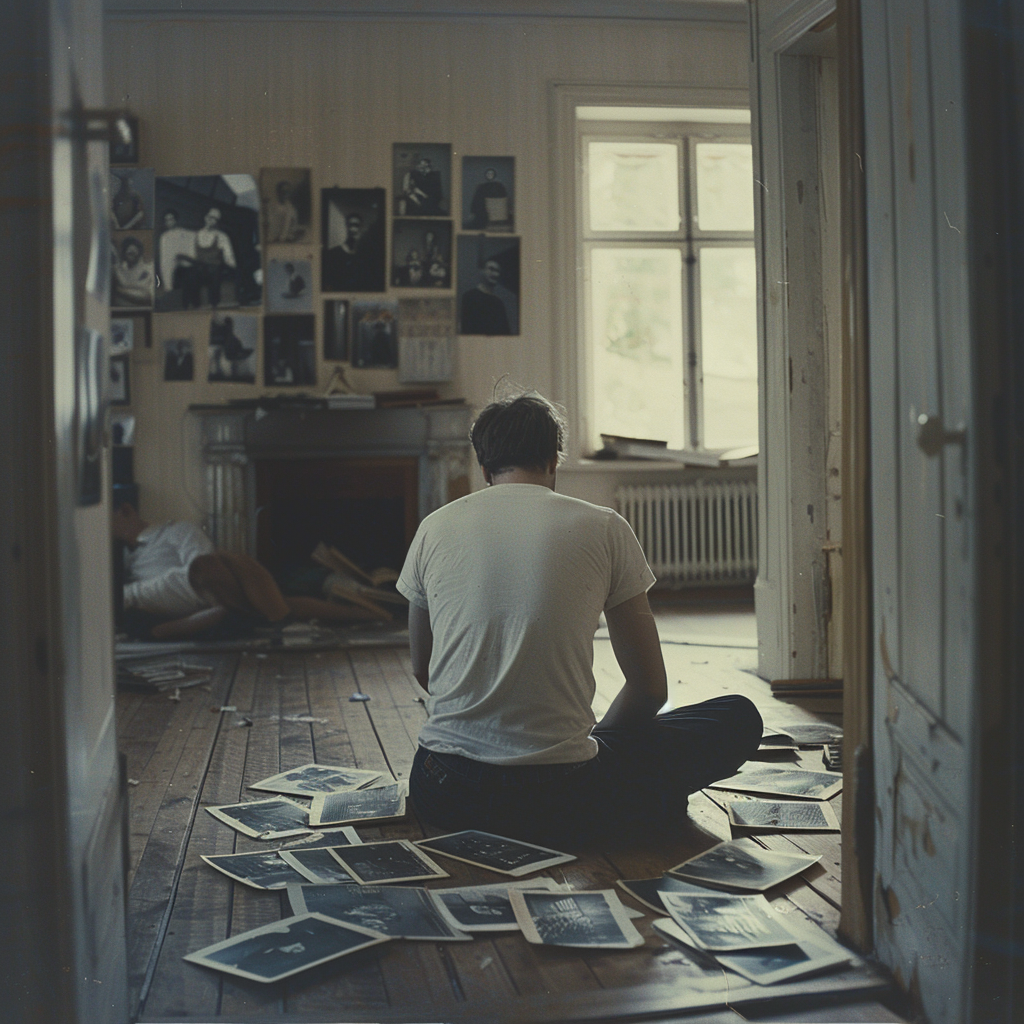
[(421, 643), (637, 649)]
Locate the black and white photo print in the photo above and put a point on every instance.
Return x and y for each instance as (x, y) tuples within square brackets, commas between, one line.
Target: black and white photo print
[(395, 860), (179, 359), (122, 335), (783, 815), (648, 890), (119, 389), (717, 922), (353, 240), (287, 204), (798, 782), (264, 819), (375, 333), (336, 318), (421, 253), (488, 285), (233, 347), (742, 864), (263, 869), (289, 350), (290, 286), (422, 179), (208, 242), (317, 866), (378, 804), (132, 279), (484, 908), (308, 779), (126, 151), (509, 856), (131, 198), (488, 193), (596, 919), (122, 429)]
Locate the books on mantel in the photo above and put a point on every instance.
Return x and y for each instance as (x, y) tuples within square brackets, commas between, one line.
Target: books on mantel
[(351, 401)]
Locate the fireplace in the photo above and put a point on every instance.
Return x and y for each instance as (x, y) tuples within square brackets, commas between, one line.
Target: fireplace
[(280, 480)]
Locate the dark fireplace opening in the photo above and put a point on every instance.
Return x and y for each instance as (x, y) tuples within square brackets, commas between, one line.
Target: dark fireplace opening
[(366, 508)]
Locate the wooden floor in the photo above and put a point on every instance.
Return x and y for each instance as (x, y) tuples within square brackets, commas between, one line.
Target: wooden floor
[(263, 713)]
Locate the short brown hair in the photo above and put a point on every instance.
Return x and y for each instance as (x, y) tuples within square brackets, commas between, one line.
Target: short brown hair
[(523, 431)]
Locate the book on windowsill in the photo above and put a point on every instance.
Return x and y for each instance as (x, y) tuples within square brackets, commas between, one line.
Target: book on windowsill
[(643, 448)]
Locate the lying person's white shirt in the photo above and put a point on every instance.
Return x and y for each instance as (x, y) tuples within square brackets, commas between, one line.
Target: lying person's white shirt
[(156, 570)]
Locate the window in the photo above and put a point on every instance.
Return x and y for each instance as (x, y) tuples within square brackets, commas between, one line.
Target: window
[(665, 223)]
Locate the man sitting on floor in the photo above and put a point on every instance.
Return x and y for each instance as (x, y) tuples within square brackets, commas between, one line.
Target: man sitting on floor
[(506, 587), (175, 577)]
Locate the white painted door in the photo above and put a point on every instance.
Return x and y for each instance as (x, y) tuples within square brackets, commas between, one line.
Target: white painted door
[(921, 515)]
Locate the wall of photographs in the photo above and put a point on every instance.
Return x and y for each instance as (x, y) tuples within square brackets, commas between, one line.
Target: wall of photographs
[(396, 173)]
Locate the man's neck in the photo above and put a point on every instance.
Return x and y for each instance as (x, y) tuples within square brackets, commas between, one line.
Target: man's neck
[(518, 475)]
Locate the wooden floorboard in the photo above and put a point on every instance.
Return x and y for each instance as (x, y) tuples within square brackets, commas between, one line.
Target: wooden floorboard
[(290, 708)]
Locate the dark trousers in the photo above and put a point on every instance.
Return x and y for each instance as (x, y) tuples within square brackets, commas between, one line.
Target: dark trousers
[(639, 779)]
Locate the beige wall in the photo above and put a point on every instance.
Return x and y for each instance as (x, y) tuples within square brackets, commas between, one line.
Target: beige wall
[(216, 97)]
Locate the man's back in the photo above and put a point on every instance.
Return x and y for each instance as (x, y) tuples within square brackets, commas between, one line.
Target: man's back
[(515, 578)]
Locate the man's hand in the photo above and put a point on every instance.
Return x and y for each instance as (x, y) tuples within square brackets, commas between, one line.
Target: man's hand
[(421, 643), (637, 649)]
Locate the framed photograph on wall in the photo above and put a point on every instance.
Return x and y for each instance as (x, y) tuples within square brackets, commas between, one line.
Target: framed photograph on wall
[(422, 179), (232, 349), (375, 333), (290, 286), (336, 317), (421, 253), (126, 152), (129, 331), (353, 239), (488, 193), (179, 360), (287, 204), (488, 285), (289, 350), (208, 242), (132, 281), (119, 388), (131, 198)]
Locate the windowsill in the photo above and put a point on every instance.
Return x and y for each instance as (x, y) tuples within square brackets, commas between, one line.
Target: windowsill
[(641, 466)]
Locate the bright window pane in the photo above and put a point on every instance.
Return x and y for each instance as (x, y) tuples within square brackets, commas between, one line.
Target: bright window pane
[(725, 186), (637, 318), (728, 326), (633, 186)]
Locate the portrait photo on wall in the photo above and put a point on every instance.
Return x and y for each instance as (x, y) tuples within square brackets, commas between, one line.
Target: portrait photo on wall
[(126, 152), (488, 285), (128, 332), (336, 314), (179, 361), (132, 279), (488, 193), (118, 390), (375, 333), (287, 204), (208, 242), (131, 198), (421, 253), (352, 235), (422, 179), (289, 350), (232, 349), (290, 286)]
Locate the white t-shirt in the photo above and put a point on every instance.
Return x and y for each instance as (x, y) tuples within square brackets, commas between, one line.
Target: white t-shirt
[(515, 578), (156, 569)]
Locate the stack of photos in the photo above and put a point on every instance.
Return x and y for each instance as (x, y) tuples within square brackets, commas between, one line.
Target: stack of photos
[(399, 913), (496, 853), (595, 920), (485, 908), (783, 815), (383, 803), (488, 285), (317, 865), (742, 864), (265, 819), (308, 779), (287, 200), (393, 860), (284, 948), (797, 782), (232, 349), (263, 869), (719, 923), (648, 890)]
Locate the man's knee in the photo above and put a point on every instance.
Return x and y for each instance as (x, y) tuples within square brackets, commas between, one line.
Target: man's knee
[(745, 722)]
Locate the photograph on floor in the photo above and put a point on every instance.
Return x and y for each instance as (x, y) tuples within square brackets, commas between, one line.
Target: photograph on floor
[(399, 912), (648, 890), (322, 839), (208, 242), (263, 869), (783, 815), (233, 348), (317, 866), (488, 193), (717, 922), (426, 345), (353, 240), (395, 860), (378, 804), (375, 333), (308, 779), (284, 948), (496, 853), (132, 280), (742, 864), (289, 350), (597, 919), (488, 285), (289, 286), (421, 179), (336, 318), (783, 782), (131, 198), (179, 359), (421, 253), (264, 819), (287, 204), (484, 908), (119, 387)]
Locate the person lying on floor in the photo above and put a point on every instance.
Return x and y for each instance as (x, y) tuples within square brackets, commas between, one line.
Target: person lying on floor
[(177, 580), (506, 587)]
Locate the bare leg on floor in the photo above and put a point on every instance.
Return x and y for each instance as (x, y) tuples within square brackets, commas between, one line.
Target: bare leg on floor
[(238, 582), (190, 625)]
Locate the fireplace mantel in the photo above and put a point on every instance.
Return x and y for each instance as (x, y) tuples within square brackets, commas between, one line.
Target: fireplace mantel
[(233, 439)]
